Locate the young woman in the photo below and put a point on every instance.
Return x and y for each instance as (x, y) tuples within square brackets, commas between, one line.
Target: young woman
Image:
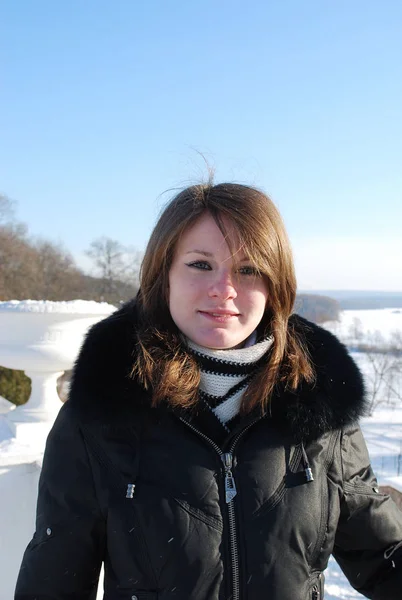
[(210, 448)]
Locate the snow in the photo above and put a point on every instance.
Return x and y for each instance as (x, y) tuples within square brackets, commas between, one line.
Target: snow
[(47, 306), (382, 431), (5, 406), (383, 434), (355, 324), (27, 446)]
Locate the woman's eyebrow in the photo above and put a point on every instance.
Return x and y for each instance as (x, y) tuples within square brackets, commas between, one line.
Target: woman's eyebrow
[(203, 252), (210, 254)]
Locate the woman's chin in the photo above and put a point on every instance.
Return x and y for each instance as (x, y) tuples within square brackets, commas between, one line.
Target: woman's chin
[(219, 341)]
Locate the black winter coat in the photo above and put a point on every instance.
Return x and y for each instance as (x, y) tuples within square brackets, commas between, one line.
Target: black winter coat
[(144, 491)]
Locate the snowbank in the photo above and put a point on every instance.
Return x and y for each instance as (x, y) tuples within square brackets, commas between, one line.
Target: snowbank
[(47, 306)]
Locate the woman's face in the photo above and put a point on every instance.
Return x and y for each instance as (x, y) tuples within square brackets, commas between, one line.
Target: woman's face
[(213, 301)]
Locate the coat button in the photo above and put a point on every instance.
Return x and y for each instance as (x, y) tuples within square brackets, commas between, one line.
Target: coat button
[(134, 597), (48, 531)]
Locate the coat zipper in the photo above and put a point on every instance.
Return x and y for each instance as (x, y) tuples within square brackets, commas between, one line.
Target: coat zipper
[(316, 593), (230, 493)]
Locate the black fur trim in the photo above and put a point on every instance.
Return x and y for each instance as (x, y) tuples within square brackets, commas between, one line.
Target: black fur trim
[(336, 399), (102, 387)]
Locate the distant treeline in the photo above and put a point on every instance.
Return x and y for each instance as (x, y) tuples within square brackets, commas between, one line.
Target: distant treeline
[(317, 308), (42, 270), (363, 300)]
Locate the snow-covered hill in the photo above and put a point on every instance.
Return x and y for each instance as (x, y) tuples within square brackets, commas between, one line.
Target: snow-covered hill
[(355, 325)]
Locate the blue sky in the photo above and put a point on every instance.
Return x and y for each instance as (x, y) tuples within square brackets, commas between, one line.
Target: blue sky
[(104, 106)]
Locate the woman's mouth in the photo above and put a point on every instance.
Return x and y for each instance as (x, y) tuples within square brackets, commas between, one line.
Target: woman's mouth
[(219, 316)]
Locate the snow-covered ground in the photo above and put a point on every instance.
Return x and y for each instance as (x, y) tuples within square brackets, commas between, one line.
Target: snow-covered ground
[(356, 325), (383, 430)]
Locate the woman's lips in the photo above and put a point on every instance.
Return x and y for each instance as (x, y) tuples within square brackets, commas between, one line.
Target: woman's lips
[(218, 316)]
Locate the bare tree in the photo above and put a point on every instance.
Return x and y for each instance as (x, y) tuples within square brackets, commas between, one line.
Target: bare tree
[(57, 273), (384, 359), (15, 254), (7, 209), (108, 258), (356, 331), (117, 267), (132, 259), (17, 260), (395, 346)]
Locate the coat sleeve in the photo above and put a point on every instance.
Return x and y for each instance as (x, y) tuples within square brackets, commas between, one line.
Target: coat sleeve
[(63, 559), (368, 542)]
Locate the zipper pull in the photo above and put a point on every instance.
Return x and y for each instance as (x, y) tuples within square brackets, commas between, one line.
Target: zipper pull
[(130, 490), (230, 485), (309, 474), (316, 594)]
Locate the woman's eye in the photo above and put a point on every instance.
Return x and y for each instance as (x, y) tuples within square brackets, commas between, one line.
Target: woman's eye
[(200, 264), (248, 270)]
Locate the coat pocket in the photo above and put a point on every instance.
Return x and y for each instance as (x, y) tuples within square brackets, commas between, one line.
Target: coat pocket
[(47, 531), (291, 478), (363, 489)]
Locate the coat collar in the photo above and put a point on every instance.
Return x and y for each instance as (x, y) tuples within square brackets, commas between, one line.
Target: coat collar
[(102, 388)]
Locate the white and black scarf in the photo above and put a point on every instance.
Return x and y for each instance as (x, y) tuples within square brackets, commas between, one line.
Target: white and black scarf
[(225, 375)]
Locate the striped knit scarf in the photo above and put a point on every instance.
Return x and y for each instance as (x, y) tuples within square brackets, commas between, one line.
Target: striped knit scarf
[(225, 375)]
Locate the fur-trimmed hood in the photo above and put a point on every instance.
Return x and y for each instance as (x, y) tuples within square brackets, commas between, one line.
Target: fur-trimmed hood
[(103, 389)]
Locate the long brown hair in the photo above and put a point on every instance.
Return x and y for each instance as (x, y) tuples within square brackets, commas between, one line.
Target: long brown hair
[(162, 363)]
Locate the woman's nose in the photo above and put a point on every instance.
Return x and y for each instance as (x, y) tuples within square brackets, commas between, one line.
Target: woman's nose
[(223, 287)]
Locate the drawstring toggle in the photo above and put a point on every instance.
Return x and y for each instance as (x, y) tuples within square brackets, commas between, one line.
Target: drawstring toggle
[(307, 469)]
